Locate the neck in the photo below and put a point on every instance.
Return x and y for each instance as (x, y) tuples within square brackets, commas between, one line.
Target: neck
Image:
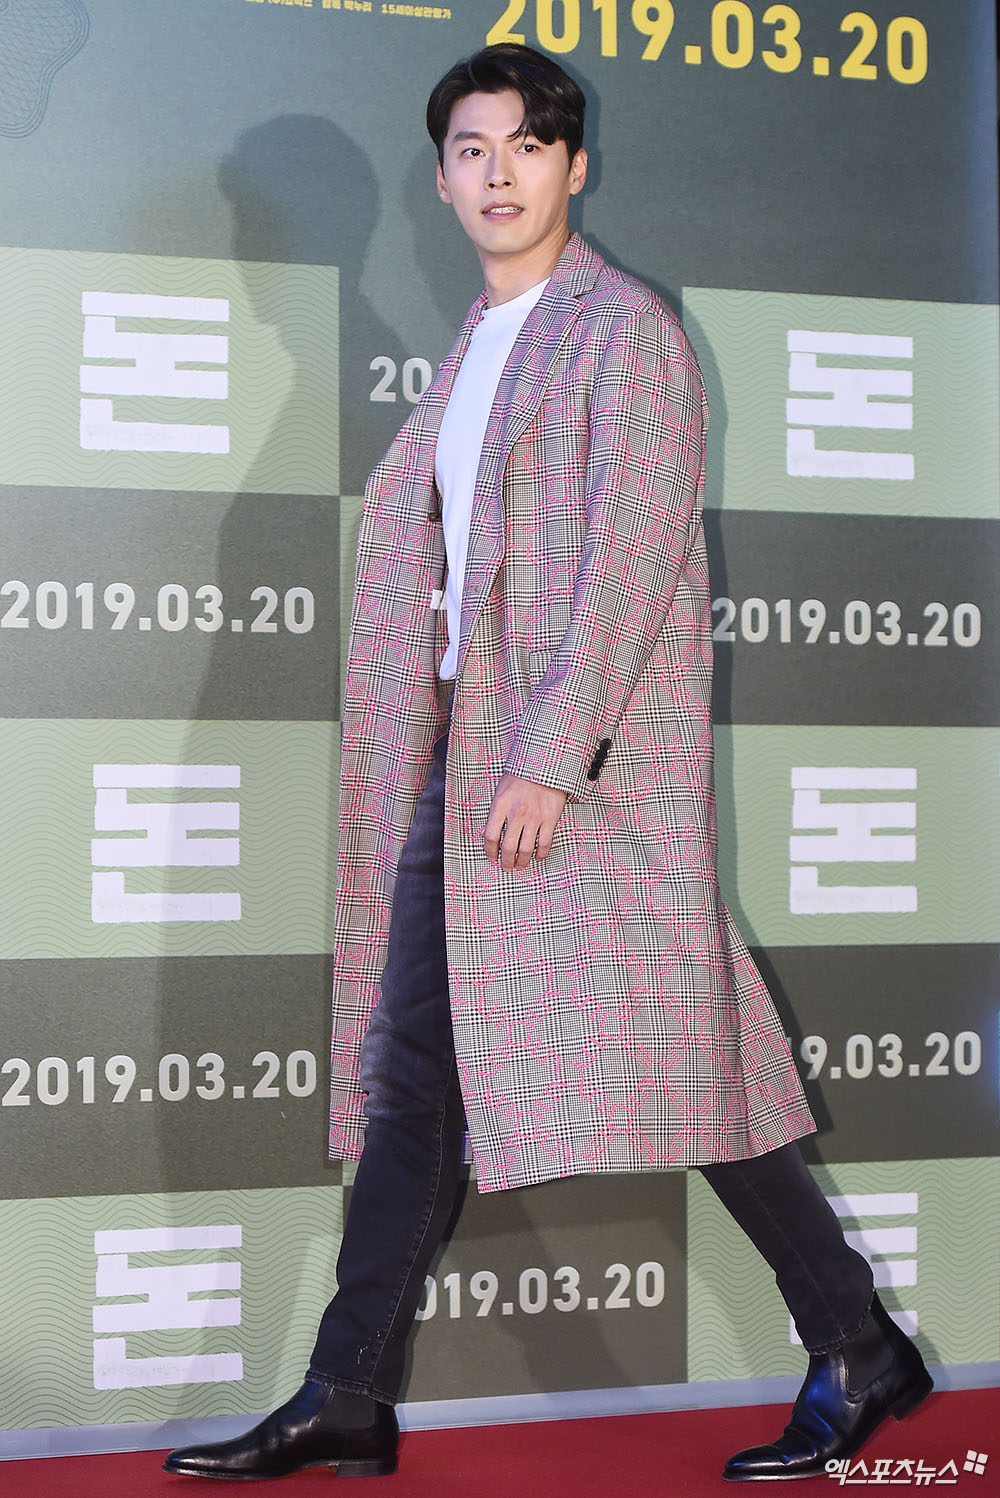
[(507, 276)]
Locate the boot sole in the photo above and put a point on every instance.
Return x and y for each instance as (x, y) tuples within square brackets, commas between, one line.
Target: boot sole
[(374, 1466), (381, 1466)]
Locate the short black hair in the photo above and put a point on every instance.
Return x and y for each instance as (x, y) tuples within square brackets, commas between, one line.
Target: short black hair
[(553, 103)]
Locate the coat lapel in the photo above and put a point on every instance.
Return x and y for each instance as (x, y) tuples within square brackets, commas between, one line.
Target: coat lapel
[(518, 398)]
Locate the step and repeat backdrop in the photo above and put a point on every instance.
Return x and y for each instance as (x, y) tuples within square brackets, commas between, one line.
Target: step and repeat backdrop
[(226, 277)]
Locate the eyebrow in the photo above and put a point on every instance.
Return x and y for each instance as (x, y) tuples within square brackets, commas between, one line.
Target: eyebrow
[(478, 134)]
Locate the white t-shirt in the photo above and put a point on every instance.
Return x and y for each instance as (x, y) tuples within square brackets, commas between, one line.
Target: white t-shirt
[(460, 442)]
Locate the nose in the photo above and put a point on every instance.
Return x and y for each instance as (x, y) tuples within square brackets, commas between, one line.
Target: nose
[(501, 173)]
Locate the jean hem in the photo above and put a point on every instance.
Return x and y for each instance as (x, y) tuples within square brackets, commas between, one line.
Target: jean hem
[(330, 1381), (836, 1346)]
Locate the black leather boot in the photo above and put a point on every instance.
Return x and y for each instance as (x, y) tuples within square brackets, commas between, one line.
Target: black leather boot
[(318, 1427), (848, 1392)]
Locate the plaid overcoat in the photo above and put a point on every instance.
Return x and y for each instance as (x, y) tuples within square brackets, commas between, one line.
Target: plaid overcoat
[(607, 1014)]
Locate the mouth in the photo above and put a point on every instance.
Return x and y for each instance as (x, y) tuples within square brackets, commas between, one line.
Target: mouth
[(502, 210)]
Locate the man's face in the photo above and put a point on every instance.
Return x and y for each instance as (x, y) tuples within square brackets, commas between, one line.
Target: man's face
[(511, 192)]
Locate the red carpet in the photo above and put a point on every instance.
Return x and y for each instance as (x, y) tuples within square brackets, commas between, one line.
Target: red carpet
[(632, 1456)]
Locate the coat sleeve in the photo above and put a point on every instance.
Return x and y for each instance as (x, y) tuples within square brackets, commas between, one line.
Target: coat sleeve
[(644, 494)]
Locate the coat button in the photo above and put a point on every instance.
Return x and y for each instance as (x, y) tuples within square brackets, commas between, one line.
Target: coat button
[(597, 762)]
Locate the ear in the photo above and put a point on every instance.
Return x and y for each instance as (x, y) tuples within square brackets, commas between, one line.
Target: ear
[(578, 171), (442, 186)]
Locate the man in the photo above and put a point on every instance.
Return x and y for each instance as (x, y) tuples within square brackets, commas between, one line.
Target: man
[(527, 865)]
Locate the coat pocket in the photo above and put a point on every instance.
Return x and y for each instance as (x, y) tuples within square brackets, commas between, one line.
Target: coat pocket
[(538, 664)]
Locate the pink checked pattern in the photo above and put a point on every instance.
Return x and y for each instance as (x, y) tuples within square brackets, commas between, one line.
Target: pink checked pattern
[(607, 1013)]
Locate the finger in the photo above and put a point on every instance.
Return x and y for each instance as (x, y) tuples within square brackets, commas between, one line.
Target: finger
[(523, 857), (492, 836), (528, 846), (510, 849)]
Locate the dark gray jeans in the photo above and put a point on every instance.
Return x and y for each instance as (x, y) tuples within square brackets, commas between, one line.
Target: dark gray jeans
[(409, 1174)]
